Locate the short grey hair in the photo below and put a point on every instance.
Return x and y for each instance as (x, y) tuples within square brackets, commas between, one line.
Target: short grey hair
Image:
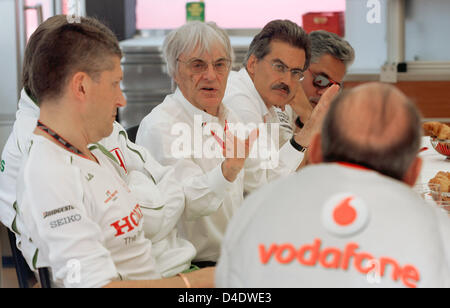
[(190, 36), (327, 43)]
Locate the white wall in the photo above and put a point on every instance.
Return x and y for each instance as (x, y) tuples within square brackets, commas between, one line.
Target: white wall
[(8, 58), (8, 67), (368, 39), (427, 30)]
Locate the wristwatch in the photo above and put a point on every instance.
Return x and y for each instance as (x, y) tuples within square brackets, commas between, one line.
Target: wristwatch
[(299, 123), (297, 146)]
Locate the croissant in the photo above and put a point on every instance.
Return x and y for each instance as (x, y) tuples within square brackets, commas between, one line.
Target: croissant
[(443, 179), (436, 129)]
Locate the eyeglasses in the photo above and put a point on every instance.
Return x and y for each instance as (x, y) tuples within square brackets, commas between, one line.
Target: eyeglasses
[(281, 68), (198, 66), (321, 81)]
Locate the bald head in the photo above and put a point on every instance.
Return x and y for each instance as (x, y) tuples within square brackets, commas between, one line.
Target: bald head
[(374, 125), (373, 115)]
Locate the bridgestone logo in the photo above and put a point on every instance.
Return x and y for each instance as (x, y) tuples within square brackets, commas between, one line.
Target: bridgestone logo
[(58, 211)]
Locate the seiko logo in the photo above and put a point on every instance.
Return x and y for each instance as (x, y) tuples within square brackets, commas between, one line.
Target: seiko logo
[(57, 211), (64, 221)]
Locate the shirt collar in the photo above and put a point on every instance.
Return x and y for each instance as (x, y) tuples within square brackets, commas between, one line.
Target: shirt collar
[(26, 102), (194, 111), (251, 86), (353, 166)]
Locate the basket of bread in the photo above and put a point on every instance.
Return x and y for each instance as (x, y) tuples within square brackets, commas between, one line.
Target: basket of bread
[(442, 179), (439, 137)]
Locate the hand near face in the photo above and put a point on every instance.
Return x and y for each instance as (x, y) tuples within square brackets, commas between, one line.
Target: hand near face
[(236, 151), (300, 104), (314, 124)]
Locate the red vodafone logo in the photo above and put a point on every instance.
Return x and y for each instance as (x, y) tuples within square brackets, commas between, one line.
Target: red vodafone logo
[(345, 215)]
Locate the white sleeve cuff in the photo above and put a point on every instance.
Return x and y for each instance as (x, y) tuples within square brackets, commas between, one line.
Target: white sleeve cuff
[(217, 182), (290, 157)]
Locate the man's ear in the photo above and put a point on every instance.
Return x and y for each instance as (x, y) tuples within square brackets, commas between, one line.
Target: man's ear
[(315, 150), (413, 172), (79, 85), (251, 65)]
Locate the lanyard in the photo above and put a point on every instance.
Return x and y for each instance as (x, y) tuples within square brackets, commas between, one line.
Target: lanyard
[(59, 139)]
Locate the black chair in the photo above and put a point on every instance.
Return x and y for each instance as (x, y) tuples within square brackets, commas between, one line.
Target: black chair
[(22, 270), (132, 132), (44, 277)]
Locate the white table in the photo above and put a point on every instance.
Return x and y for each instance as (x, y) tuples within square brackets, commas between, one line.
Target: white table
[(433, 162)]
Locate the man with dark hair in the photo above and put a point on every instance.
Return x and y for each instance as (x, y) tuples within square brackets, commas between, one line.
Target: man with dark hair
[(350, 219), (73, 200), (273, 70)]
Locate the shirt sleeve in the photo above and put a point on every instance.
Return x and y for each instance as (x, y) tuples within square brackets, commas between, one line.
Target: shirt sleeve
[(159, 192), (53, 205), (267, 161), (204, 190)]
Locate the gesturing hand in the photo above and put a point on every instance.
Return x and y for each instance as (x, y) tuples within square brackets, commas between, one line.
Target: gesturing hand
[(236, 151), (314, 124)]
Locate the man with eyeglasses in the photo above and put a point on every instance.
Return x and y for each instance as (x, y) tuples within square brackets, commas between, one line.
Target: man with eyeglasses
[(189, 131), (331, 56), (273, 71)]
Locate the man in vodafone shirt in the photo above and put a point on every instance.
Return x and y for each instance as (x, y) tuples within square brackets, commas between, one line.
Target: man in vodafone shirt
[(350, 219)]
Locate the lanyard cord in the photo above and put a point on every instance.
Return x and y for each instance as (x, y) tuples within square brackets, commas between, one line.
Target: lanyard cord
[(59, 139)]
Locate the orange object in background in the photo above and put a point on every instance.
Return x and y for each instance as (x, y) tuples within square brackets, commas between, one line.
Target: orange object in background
[(329, 21)]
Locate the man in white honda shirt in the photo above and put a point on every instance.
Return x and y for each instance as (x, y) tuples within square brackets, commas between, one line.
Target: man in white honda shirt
[(352, 218), (194, 130), (75, 204), (160, 194), (270, 80)]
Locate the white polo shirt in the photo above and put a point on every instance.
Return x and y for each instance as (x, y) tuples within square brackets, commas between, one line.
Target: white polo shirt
[(15, 147), (336, 226), (160, 194), (82, 217)]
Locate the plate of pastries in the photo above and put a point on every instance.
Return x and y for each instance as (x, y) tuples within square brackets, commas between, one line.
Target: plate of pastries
[(439, 137), (443, 179)]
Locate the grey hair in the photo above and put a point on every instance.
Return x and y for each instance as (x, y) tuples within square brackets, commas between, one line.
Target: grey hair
[(327, 43), (190, 36), (392, 159)]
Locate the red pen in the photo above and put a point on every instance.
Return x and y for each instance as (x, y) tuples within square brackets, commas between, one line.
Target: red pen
[(220, 141)]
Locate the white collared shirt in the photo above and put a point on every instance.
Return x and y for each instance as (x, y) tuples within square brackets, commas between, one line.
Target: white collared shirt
[(82, 217), (160, 194), (210, 199), (243, 99)]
